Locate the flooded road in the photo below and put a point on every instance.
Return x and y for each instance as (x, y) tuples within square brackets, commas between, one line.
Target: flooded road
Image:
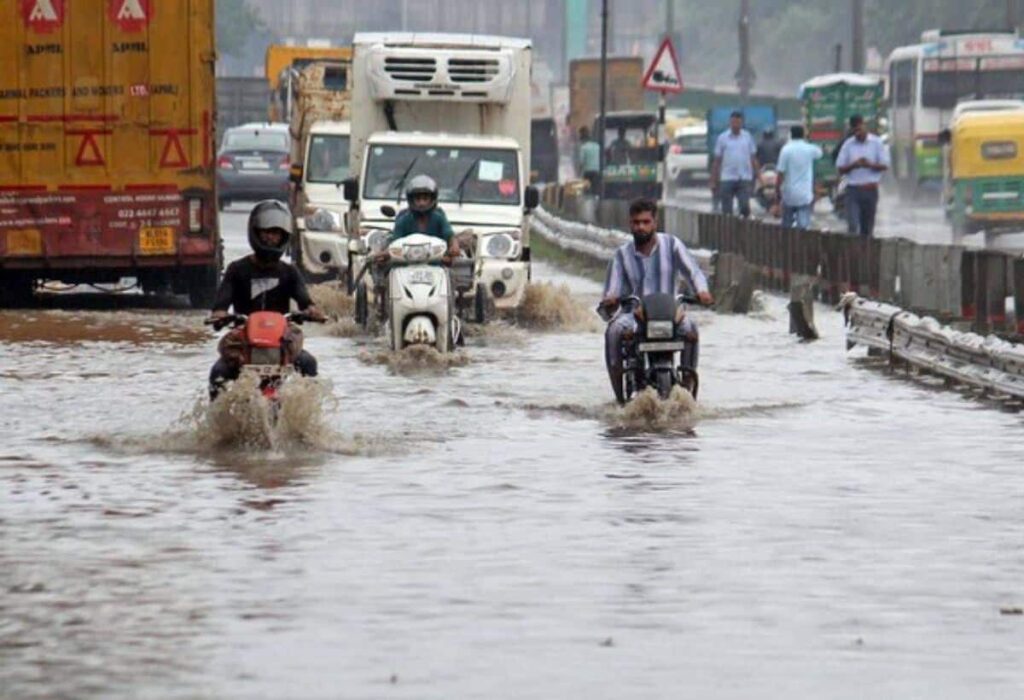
[(499, 529)]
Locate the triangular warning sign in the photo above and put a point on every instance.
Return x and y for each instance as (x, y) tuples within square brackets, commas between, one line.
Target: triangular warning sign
[(42, 11), (180, 160), (131, 10), (93, 157), (663, 74)]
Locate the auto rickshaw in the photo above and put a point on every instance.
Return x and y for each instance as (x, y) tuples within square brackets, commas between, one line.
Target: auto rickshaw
[(983, 183)]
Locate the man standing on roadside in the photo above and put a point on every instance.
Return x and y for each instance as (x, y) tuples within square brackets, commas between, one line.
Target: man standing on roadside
[(862, 160), (796, 179), (588, 159), (732, 173)]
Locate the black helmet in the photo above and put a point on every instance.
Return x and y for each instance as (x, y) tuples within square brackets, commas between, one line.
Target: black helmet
[(269, 214), (421, 184)]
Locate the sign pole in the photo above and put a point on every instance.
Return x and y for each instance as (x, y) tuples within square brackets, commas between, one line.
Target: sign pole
[(662, 141)]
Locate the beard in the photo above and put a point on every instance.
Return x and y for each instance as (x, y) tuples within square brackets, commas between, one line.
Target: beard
[(641, 239)]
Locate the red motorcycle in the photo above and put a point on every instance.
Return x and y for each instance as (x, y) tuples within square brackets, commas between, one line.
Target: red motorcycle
[(263, 343)]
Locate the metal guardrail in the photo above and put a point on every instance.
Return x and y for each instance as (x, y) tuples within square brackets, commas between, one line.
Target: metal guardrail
[(985, 362)]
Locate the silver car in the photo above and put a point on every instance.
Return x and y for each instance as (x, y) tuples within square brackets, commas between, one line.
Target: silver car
[(253, 163)]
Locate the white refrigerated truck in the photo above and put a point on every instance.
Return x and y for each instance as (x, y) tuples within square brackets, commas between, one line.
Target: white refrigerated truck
[(457, 108)]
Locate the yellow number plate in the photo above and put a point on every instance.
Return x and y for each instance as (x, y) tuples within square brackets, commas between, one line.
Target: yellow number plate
[(26, 241), (157, 240)]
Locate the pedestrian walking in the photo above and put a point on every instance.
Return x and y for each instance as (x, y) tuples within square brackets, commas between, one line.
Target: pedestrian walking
[(862, 160), (796, 179), (732, 173)]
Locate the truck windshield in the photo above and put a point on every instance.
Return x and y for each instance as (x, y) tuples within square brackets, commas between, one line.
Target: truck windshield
[(328, 158), (493, 172)]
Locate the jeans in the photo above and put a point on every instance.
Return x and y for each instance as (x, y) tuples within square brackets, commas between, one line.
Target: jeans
[(796, 217), (861, 205), (740, 189), (626, 322), (223, 372)]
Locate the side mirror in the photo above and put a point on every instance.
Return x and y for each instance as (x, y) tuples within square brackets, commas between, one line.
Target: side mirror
[(350, 189), (945, 137), (295, 174), (388, 211), (532, 197)]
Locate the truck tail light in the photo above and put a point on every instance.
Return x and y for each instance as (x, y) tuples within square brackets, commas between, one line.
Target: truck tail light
[(285, 164), (195, 215), (225, 163), (676, 149)]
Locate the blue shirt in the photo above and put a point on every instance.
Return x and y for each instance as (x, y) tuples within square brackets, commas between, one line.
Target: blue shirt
[(735, 150), (853, 150), (589, 157), (633, 274), (796, 162)]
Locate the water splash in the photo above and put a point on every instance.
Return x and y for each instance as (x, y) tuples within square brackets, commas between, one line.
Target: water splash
[(333, 300), (415, 359), (547, 306), (648, 413)]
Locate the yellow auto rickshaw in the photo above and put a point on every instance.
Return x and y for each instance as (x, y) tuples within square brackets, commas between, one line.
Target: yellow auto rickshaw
[(983, 183)]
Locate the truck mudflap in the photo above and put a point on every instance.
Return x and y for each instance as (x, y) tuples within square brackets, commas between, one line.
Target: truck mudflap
[(81, 229), (504, 280), (324, 253)]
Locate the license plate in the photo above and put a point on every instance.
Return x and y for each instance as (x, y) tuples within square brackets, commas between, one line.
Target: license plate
[(26, 241), (157, 240), (422, 277), (669, 346), (255, 165)]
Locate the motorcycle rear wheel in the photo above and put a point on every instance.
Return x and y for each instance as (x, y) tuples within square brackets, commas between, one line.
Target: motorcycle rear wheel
[(665, 383)]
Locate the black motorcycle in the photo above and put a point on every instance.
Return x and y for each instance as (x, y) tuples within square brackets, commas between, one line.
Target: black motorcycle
[(654, 356)]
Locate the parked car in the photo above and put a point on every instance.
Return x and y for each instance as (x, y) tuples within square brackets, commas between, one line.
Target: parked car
[(687, 158), (253, 163)]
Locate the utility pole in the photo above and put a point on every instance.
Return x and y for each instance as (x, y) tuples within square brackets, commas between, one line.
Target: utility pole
[(599, 136), (1012, 15), (745, 75), (838, 57), (857, 45)]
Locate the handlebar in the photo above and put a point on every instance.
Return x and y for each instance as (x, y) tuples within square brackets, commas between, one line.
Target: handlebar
[(238, 320), (606, 313)]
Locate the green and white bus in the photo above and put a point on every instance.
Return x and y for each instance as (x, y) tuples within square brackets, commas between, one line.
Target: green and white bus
[(927, 80)]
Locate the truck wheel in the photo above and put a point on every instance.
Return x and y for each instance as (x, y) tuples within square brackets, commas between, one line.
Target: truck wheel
[(202, 287), (480, 304), (362, 307), (16, 291)]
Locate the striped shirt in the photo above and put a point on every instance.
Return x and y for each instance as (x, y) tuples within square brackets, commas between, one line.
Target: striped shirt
[(633, 274)]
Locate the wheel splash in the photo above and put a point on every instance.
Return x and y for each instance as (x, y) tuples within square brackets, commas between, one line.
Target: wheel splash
[(551, 307), (415, 359), (648, 413)]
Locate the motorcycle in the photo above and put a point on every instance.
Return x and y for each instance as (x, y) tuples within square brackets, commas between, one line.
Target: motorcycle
[(766, 192), (653, 355), (420, 295), (267, 348)]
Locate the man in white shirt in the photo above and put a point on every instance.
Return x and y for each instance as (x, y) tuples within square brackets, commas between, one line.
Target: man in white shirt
[(796, 179), (862, 160), (732, 173)]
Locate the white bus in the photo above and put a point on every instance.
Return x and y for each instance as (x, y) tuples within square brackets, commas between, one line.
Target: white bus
[(927, 80)]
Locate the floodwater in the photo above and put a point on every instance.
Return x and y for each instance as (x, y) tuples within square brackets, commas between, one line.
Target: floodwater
[(815, 528)]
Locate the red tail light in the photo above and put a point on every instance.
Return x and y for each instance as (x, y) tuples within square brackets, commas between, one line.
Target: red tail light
[(225, 163), (676, 149), (285, 164)]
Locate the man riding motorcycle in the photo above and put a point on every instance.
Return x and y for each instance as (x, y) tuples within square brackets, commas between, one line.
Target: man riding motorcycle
[(649, 264), (423, 215), (261, 282)]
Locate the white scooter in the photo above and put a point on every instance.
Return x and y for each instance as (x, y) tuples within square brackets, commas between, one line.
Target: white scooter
[(420, 301)]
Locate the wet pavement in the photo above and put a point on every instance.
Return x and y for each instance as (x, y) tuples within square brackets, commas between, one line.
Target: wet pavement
[(816, 528)]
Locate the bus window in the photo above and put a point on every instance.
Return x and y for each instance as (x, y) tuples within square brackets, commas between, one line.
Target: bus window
[(1001, 83), (903, 83), (946, 82)]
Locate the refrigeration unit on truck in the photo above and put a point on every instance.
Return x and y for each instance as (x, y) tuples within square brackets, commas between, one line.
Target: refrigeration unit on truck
[(107, 145), (456, 108)]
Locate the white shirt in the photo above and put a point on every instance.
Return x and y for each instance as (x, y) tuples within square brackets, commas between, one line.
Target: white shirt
[(853, 150)]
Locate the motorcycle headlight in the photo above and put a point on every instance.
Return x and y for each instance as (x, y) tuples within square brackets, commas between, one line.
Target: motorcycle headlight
[(500, 245), (660, 330), (417, 253), (323, 220)]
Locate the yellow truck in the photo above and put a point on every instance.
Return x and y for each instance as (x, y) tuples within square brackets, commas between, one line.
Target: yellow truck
[(107, 155), (283, 65)]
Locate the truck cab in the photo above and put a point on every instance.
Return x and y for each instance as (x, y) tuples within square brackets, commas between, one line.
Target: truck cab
[(455, 107), (322, 243)]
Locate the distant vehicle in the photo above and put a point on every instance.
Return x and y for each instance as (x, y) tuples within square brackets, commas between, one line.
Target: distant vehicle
[(927, 80), (544, 150), (972, 106), (283, 65), (687, 158), (631, 169), (624, 92), (253, 163)]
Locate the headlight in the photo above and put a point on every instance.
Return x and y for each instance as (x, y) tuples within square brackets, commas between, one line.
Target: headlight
[(499, 245), (376, 240), (660, 330), (417, 253), (323, 220)]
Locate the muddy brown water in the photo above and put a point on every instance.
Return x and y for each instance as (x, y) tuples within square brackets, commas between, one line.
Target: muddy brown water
[(814, 528)]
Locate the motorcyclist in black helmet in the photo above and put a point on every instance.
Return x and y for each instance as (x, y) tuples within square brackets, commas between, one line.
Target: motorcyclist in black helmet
[(423, 215), (263, 282)]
